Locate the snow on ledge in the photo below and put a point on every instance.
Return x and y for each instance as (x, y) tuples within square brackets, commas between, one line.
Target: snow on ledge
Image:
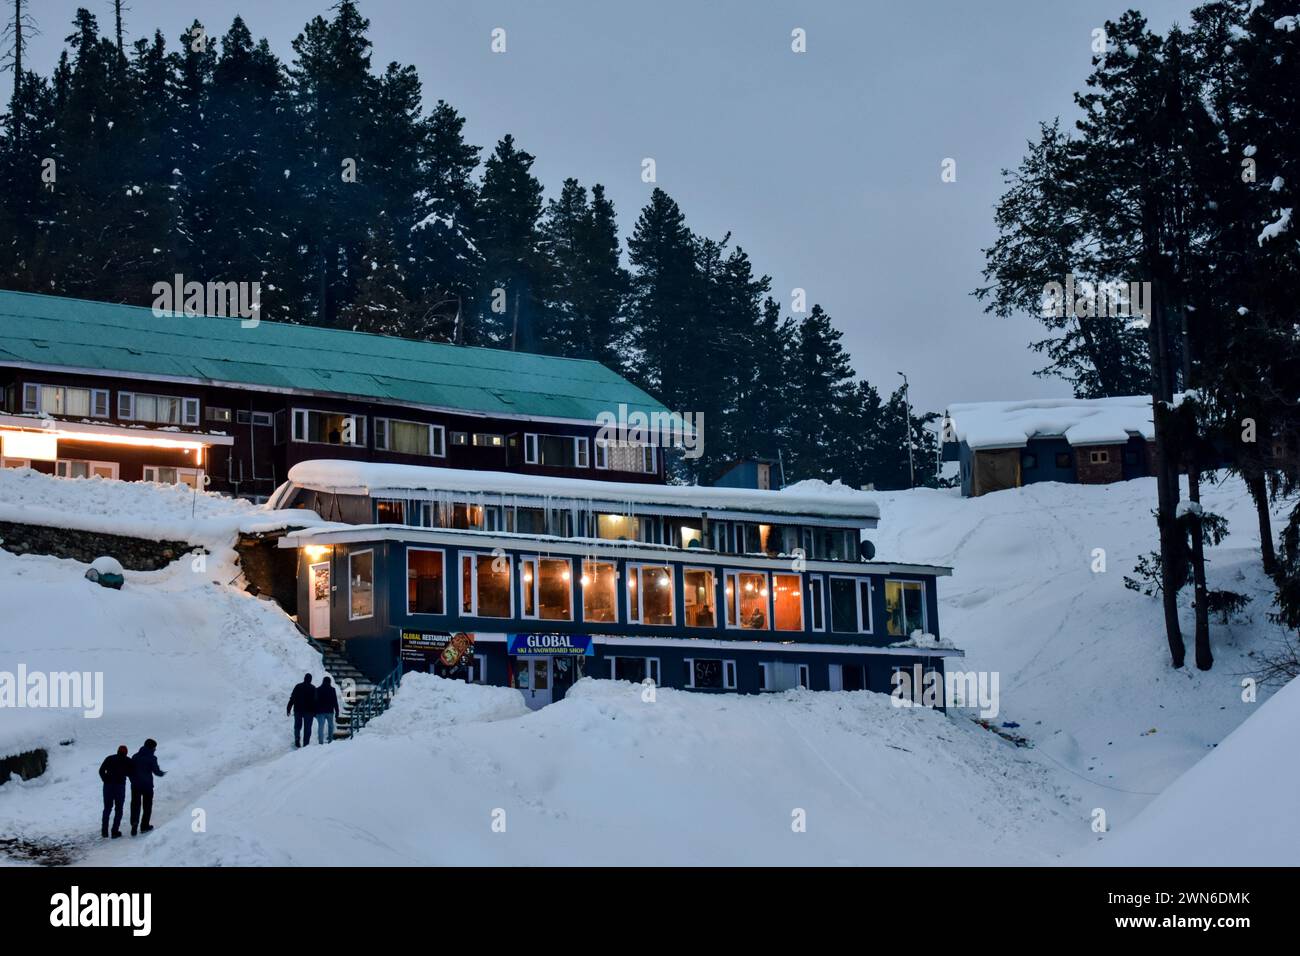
[(833, 500), (1081, 421)]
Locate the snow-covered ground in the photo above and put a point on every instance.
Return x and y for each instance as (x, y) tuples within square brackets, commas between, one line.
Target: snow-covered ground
[(607, 777), (1083, 661)]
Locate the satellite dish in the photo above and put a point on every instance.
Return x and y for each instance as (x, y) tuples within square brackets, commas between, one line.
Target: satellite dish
[(867, 550)]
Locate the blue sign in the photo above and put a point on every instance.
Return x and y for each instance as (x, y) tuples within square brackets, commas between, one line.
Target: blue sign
[(543, 645)]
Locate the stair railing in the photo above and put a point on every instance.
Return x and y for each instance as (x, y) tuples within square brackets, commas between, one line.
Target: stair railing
[(374, 703)]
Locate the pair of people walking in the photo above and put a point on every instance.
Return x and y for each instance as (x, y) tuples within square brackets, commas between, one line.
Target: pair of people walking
[(309, 703), (115, 771)]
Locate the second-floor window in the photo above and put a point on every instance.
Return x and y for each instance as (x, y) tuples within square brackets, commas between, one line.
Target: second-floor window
[(626, 456), (747, 594), (157, 409), (409, 438), (547, 588), (555, 451), (485, 585), (649, 594), (64, 400), (328, 428), (599, 592)]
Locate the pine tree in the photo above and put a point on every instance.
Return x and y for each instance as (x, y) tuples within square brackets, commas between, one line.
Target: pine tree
[(513, 283)]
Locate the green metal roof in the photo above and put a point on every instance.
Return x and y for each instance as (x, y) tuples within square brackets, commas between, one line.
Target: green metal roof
[(128, 340)]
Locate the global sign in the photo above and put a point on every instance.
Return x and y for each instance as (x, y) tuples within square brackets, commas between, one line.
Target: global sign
[(550, 645)]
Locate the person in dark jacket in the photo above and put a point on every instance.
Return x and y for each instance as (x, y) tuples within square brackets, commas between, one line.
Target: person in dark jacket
[(303, 704), (114, 771), (327, 709), (144, 767)]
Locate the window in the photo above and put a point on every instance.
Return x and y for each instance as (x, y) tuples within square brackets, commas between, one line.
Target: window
[(361, 585), (599, 592), (547, 588), (15, 463), (1029, 461), (78, 468), (850, 605), (700, 597), (157, 409), (485, 585), (260, 419), (166, 475), (390, 511), (626, 456), (816, 603), (787, 602), (460, 438), (904, 607), (618, 527), (1062, 459), (555, 451), (747, 599), (64, 400), (846, 676), (1099, 457), (485, 440), (424, 581), (703, 674), (635, 669), (649, 594), (409, 438), (328, 428), (215, 414), (780, 675)]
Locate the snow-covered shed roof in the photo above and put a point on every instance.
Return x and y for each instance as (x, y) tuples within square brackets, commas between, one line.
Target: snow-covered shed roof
[(1080, 421), (813, 498)]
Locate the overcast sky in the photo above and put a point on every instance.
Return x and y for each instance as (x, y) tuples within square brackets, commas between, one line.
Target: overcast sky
[(824, 166)]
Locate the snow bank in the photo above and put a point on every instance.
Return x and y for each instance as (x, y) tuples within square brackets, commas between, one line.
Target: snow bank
[(136, 509), (1083, 663), (203, 668), (1237, 807), (427, 702), (606, 777), (1082, 421)]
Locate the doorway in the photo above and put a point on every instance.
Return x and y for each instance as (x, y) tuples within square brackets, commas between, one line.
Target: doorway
[(534, 678), (318, 584)]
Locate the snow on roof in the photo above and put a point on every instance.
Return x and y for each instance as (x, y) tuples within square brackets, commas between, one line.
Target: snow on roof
[(812, 498), (1081, 421)]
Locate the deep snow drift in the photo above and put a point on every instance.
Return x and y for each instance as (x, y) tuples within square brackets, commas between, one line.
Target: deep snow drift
[(1083, 661), (606, 777)]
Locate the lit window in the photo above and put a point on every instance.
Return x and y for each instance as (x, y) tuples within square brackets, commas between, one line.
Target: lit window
[(485, 585), (328, 428), (904, 607), (547, 588), (698, 594), (650, 594), (787, 602), (747, 600), (361, 584), (424, 581), (599, 592)]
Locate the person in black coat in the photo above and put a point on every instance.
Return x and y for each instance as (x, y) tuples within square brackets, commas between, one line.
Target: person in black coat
[(113, 772), (327, 709), (144, 767), (303, 704)]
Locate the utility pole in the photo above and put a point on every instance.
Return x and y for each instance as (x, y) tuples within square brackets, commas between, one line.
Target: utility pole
[(907, 433)]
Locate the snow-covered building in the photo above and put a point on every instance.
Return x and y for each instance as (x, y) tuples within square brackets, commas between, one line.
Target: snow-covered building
[(93, 389), (532, 581), (1090, 441)]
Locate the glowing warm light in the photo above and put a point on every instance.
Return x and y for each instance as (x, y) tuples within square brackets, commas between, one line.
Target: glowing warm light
[(763, 592), (528, 575), (585, 580), (315, 552), (663, 582), (564, 575), (728, 590), (37, 446), (631, 581), (749, 586)]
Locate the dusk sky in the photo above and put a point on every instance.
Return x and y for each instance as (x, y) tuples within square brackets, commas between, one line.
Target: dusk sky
[(824, 166)]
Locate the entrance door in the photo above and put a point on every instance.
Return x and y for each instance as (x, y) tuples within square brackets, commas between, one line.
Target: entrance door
[(318, 624), (533, 678)]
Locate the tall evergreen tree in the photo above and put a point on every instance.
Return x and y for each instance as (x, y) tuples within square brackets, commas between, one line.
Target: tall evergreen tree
[(509, 210)]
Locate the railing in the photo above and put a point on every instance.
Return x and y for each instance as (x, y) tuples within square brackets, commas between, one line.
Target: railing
[(374, 703)]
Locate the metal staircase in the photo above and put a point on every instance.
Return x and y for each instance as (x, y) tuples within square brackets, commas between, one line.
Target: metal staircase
[(354, 688)]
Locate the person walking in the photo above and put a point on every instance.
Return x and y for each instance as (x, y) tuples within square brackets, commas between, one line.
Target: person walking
[(113, 772), (303, 704), (144, 767), (327, 709)]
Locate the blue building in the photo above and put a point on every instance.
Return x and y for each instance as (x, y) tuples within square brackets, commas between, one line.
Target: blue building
[(534, 582)]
